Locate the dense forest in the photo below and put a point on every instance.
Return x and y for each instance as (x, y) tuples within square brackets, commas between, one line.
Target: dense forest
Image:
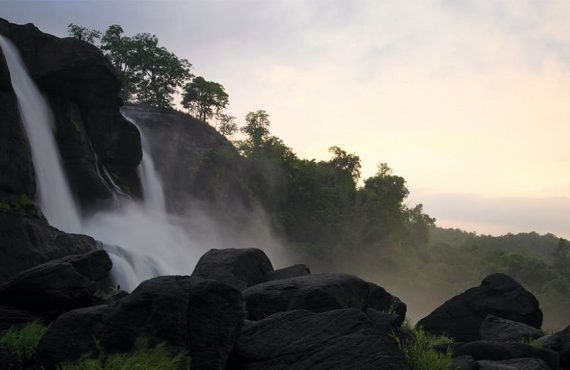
[(326, 213)]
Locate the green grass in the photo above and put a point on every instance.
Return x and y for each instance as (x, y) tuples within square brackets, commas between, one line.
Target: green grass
[(420, 353), (23, 341), (142, 357), (532, 342)]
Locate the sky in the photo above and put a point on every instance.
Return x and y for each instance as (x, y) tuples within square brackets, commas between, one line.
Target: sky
[(469, 101)]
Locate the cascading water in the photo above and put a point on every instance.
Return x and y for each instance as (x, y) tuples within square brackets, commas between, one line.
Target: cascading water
[(151, 185), (56, 200), (141, 239)]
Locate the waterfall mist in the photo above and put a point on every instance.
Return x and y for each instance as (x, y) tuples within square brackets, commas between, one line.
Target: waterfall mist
[(56, 201), (142, 239)]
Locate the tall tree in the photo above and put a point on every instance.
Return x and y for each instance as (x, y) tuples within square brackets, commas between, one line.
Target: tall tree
[(227, 125), (257, 130), (350, 163), (83, 33), (150, 73), (204, 98)]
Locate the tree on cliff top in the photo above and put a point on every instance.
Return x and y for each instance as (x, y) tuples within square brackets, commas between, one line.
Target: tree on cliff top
[(150, 73), (83, 33), (204, 98)]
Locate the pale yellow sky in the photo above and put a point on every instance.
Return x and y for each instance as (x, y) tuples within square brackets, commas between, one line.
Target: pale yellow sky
[(463, 98)]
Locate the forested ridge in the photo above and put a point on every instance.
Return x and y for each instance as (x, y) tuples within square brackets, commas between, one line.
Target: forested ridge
[(324, 210)]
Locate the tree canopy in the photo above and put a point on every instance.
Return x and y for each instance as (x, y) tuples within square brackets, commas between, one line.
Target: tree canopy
[(83, 33), (150, 73), (204, 98)]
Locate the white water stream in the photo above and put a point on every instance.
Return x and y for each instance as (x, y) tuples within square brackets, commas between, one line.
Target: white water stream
[(55, 198), (142, 240)]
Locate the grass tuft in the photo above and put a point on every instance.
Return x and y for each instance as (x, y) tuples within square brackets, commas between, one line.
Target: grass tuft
[(23, 341), (420, 352), (142, 357)]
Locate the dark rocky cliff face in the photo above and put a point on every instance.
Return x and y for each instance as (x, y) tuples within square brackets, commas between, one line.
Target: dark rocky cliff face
[(83, 91), (194, 161)]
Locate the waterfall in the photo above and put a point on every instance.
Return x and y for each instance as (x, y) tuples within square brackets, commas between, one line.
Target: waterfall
[(56, 201), (142, 240), (153, 194)]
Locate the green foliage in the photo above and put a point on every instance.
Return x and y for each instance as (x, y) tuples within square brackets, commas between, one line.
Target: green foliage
[(83, 33), (23, 341), (420, 353), (16, 203), (142, 357), (257, 131), (349, 163), (227, 125), (204, 98), (454, 260), (319, 205), (150, 73)]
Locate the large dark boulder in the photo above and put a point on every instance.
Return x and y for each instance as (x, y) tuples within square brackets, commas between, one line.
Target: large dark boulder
[(26, 240), (287, 272), (57, 286), (200, 316), (559, 342), (463, 363), (238, 267), (497, 329), (12, 316), (339, 339), (514, 364), (379, 299), (317, 293), (83, 91), (499, 295), (499, 351)]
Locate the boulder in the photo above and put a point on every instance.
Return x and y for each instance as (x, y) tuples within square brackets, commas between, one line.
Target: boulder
[(12, 316), (497, 329), (514, 364), (72, 336), (238, 267), (93, 265), (559, 342), (7, 359), (499, 351), (198, 315), (380, 300), (499, 295), (288, 272), (26, 240), (338, 339), (56, 286), (384, 317), (463, 363), (316, 293)]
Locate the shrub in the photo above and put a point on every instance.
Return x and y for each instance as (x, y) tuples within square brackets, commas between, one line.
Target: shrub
[(420, 352), (23, 341), (142, 357)]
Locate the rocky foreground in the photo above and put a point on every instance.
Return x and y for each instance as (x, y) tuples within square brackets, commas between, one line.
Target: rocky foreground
[(236, 312)]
